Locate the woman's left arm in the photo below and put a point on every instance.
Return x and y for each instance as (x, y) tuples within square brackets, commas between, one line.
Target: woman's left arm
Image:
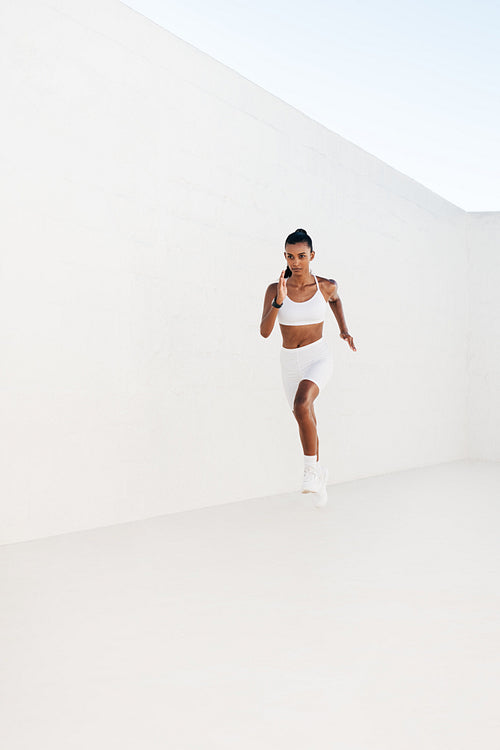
[(336, 307)]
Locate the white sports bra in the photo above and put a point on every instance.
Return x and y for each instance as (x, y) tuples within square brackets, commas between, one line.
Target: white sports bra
[(303, 313)]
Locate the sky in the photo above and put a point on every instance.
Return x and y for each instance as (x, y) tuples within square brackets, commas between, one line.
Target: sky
[(416, 84)]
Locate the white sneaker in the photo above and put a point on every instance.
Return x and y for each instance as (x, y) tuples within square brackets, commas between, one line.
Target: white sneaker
[(313, 479), (321, 498)]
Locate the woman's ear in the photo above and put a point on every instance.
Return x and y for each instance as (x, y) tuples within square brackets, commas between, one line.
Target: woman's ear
[(312, 254)]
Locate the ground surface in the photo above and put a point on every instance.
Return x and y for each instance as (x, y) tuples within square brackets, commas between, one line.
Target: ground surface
[(265, 624)]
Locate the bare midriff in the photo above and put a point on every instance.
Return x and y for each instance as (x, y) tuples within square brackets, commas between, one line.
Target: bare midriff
[(296, 336)]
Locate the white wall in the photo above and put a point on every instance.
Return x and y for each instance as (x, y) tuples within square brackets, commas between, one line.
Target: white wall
[(483, 291), (147, 192)]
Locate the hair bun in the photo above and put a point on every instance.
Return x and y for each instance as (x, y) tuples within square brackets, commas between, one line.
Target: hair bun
[(299, 236)]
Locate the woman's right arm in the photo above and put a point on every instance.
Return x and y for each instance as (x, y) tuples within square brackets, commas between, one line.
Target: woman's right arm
[(270, 313)]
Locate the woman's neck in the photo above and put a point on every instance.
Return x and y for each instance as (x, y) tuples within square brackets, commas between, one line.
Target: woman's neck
[(301, 280)]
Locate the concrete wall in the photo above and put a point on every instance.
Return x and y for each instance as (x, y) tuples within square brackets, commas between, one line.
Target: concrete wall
[(147, 191), (483, 364)]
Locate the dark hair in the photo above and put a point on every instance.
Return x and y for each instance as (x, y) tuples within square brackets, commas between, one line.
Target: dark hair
[(300, 235)]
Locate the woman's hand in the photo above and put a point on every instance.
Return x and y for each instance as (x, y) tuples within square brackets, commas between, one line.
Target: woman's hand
[(347, 337), (281, 293)]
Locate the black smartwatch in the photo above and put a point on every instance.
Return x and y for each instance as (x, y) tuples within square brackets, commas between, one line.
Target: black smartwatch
[(275, 304)]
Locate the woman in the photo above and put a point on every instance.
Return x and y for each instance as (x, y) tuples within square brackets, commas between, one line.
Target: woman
[(299, 300)]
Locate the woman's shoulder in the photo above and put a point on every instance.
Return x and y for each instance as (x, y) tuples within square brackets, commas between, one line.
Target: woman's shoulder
[(326, 282), (328, 287), (271, 291)]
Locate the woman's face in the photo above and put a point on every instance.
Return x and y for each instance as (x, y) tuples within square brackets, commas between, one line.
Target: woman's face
[(298, 257)]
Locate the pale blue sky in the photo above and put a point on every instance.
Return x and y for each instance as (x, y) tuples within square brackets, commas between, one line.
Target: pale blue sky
[(415, 84)]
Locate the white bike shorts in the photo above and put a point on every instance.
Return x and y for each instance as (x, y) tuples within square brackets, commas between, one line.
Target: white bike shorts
[(311, 362)]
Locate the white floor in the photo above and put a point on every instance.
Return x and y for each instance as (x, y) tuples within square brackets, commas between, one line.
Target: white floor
[(266, 624)]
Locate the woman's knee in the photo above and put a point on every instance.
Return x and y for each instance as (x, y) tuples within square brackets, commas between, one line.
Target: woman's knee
[(302, 407)]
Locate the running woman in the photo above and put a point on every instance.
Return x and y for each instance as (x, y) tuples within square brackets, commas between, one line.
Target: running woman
[(298, 301)]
